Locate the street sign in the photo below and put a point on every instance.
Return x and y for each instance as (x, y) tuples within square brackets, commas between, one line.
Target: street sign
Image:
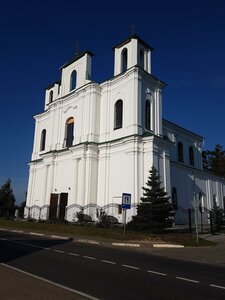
[(126, 201)]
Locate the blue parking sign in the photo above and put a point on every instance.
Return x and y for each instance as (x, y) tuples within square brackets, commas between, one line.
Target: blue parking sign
[(126, 201)]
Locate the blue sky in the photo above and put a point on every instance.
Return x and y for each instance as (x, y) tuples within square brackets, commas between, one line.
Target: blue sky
[(37, 37)]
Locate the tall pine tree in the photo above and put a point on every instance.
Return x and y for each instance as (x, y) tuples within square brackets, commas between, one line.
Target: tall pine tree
[(154, 213)]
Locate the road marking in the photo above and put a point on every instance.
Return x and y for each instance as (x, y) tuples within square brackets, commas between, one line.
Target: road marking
[(51, 282), (17, 231), (89, 257), (217, 286), (47, 248), (108, 262), (157, 273), (74, 254), (59, 237), (187, 279), (58, 251), (3, 239), (2, 229), (35, 233), (131, 267)]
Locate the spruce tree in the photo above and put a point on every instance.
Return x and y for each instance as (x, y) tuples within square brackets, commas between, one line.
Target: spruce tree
[(154, 213), (7, 200)]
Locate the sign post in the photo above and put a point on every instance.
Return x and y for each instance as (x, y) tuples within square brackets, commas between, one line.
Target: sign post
[(126, 204)]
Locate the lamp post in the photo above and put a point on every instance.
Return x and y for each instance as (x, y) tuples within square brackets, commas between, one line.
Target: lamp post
[(195, 205)]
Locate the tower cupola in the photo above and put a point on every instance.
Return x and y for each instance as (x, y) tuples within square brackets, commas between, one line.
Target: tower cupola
[(131, 52)]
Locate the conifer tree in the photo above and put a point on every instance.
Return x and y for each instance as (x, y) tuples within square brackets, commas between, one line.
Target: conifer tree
[(7, 200), (154, 213)]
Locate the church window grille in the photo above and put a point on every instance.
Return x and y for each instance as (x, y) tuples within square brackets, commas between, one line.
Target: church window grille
[(174, 198), (43, 140), (73, 80), (69, 132), (118, 114), (191, 156), (50, 96), (148, 115), (180, 152), (124, 59)]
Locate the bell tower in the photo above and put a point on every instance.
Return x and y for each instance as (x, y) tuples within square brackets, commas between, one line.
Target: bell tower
[(131, 52)]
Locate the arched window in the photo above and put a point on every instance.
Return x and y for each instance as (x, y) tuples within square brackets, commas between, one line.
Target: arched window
[(73, 80), (43, 140), (191, 156), (69, 132), (148, 115), (118, 114), (50, 96), (174, 198), (180, 152), (142, 59), (124, 60)]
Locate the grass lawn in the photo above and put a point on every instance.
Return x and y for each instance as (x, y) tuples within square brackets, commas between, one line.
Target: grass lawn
[(185, 239)]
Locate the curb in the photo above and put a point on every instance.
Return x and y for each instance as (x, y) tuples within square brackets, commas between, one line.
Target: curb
[(167, 246), (38, 234), (125, 245)]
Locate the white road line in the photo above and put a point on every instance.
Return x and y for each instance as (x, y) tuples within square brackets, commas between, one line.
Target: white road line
[(157, 273), (2, 229), (89, 257), (17, 231), (187, 279), (35, 233), (59, 237), (3, 239), (74, 254), (51, 282), (47, 248), (217, 286), (108, 262), (131, 267), (58, 251)]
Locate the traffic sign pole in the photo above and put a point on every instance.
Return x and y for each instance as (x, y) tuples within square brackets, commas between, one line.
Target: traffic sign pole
[(124, 219)]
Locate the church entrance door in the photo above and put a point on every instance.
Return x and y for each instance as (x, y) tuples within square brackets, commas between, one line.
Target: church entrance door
[(62, 205)]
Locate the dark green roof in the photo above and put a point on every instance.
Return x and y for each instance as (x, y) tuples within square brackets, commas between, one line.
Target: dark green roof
[(76, 57), (52, 85), (133, 36)]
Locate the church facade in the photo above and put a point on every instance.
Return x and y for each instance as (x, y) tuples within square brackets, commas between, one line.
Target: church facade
[(94, 142)]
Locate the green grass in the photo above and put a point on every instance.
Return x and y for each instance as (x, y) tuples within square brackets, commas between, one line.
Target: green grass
[(185, 239)]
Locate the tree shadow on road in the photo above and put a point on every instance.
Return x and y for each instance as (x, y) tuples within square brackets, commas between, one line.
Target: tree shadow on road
[(14, 246)]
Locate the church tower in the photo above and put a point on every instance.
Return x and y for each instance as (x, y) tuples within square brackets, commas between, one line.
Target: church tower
[(132, 52)]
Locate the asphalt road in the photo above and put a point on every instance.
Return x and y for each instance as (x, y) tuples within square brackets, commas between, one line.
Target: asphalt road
[(111, 273)]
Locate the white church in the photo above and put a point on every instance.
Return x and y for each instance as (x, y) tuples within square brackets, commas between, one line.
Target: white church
[(95, 141)]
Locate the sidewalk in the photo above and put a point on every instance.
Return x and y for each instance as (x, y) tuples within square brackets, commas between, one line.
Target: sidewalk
[(213, 254)]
